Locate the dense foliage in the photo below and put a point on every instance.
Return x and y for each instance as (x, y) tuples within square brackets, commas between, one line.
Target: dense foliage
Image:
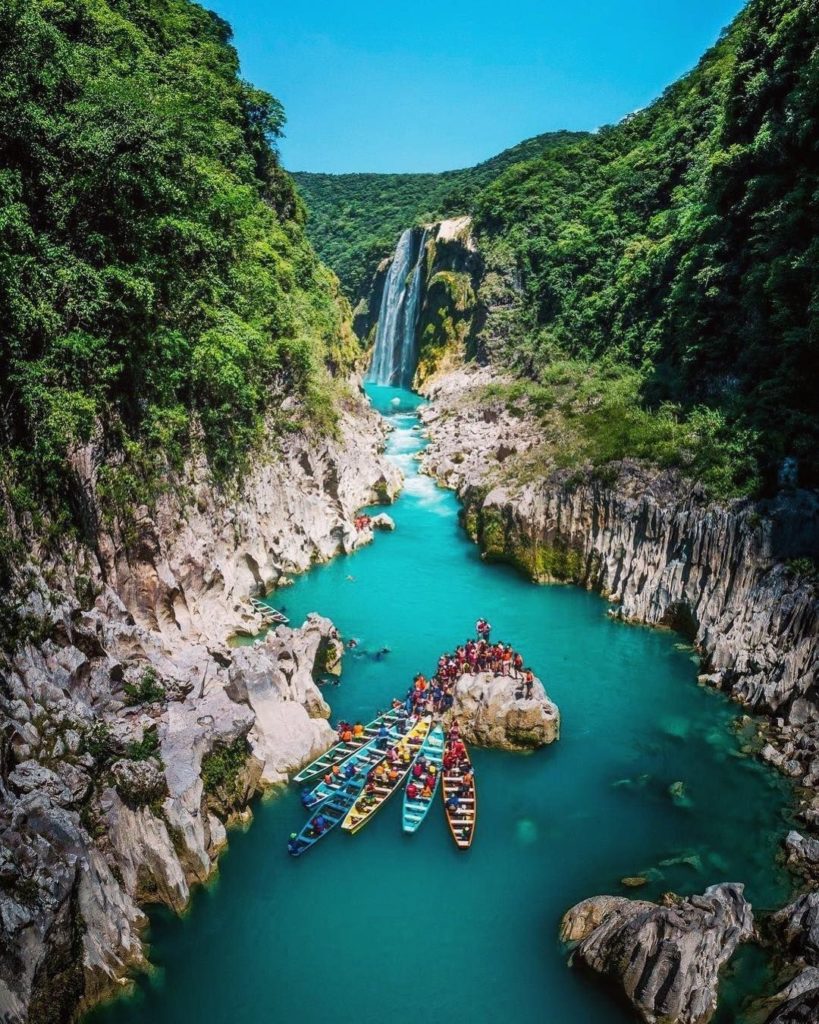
[(679, 251), (155, 281), (354, 219)]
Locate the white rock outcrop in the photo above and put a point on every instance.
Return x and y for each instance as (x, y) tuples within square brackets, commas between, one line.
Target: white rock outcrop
[(665, 957), (494, 711)]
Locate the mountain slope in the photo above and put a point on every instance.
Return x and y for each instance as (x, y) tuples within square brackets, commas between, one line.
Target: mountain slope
[(156, 285), (354, 219), (675, 259)]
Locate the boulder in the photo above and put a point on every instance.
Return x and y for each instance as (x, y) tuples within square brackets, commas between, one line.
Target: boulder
[(803, 854), (492, 711), (798, 1003), (277, 682), (665, 957), (138, 782), (382, 522)]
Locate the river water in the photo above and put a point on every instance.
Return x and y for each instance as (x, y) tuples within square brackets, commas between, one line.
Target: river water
[(383, 926)]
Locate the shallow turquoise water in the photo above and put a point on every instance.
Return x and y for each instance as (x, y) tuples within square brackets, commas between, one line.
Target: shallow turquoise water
[(380, 925)]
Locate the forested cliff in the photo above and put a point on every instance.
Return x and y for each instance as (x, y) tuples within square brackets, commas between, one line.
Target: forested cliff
[(157, 291)]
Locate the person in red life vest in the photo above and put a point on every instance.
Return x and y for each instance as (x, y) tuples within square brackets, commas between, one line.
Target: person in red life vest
[(483, 629)]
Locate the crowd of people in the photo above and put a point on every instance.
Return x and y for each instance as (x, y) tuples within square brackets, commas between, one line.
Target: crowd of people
[(435, 695), (426, 696)]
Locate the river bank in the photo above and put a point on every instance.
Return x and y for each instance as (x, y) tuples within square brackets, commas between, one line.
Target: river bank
[(636, 764), (132, 732)]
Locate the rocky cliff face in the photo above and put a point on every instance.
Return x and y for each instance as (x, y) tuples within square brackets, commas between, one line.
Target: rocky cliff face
[(655, 548), (666, 957), (131, 733), (449, 315)]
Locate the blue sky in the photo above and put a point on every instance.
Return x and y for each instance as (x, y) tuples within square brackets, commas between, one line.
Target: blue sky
[(373, 85)]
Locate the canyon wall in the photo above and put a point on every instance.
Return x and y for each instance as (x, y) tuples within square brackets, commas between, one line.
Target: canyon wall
[(723, 574), (130, 732)]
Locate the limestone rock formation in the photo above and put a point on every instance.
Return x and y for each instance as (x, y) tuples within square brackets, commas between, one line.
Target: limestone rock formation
[(798, 1002), (493, 711), (132, 731), (797, 927), (667, 957)]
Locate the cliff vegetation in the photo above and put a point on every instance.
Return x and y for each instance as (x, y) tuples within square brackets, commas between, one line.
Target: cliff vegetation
[(157, 290)]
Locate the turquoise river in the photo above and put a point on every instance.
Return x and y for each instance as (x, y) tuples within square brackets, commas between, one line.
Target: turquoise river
[(382, 926)]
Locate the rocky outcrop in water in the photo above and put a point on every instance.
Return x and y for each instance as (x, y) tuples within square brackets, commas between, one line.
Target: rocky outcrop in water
[(799, 1001), (494, 711), (666, 957), (130, 732), (796, 931)]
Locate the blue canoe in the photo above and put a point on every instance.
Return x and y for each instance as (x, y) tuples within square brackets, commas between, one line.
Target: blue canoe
[(330, 813), (361, 762), (415, 809), (341, 751)]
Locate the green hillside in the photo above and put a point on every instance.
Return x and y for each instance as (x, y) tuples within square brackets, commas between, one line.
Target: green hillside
[(670, 264), (355, 219)]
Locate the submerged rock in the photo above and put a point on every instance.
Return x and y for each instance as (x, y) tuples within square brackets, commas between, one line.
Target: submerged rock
[(678, 795), (665, 957), (493, 711)]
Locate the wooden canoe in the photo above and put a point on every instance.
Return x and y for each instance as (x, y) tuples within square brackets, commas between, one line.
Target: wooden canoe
[(462, 820), (341, 751), (332, 810), (415, 809), (365, 807), (358, 763)]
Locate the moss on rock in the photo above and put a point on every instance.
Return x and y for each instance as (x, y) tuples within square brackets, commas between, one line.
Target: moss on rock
[(446, 320)]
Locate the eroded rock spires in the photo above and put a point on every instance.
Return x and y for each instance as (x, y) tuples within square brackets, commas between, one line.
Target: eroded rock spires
[(666, 957)]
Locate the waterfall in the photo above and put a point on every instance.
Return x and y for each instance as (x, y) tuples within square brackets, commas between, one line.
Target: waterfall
[(395, 353)]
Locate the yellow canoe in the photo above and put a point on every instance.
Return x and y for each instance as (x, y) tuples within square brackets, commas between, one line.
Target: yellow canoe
[(367, 804)]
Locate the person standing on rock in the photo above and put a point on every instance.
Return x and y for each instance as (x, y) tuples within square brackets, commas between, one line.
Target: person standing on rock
[(529, 683)]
